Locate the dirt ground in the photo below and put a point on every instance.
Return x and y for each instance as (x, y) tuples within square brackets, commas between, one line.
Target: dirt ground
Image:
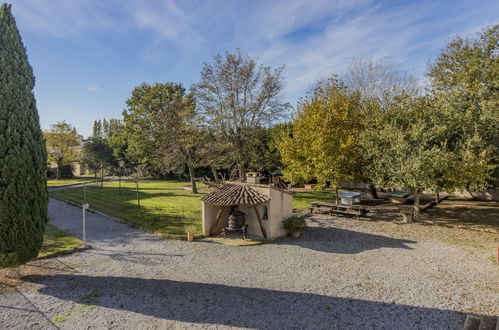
[(453, 213), (468, 214)]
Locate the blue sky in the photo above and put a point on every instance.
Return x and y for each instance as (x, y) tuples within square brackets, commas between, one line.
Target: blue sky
[(88, 55)]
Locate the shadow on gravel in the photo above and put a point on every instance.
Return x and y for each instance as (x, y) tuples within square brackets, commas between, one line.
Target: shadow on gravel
[(144, 258), (217, 304), (338, 240)]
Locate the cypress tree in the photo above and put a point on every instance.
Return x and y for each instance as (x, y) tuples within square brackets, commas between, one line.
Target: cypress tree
[(23, 158)]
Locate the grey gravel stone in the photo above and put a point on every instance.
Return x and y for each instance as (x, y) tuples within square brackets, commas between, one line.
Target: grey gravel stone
[(339, 275)]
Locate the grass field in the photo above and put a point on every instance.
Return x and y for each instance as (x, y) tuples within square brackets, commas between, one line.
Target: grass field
[(68, 182), (166, 208), (57, 241), (302, 199)]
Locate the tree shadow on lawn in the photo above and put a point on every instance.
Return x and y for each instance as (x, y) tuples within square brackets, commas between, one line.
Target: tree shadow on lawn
[(169, 214), (344, 241), (218, 304), (128, 194)]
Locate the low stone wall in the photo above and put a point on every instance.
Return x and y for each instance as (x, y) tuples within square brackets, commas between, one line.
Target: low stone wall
[(491, 194)]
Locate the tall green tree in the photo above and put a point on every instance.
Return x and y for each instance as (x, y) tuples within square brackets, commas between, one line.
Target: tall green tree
[(406, 145), (23, 183), (180, 137), (144, 106), (163, 129), (120, 164), (413, 144), (61, 139), (98, 154), (465, 81), (262, 150), (217, 154)]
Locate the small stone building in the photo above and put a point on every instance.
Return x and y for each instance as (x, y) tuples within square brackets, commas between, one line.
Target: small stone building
[(264, 206)]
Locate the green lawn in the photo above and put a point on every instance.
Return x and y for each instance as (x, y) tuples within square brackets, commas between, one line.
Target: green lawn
[(57, 241), (302, 200), (166, 209), (68, 182)]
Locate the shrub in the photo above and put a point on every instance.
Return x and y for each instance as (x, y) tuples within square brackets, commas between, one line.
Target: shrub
[(66, 171), (295, 223)]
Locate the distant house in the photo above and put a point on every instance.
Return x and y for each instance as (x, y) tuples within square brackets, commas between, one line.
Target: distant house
[(78, 167)]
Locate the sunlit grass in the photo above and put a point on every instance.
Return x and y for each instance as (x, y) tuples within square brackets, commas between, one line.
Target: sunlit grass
[(166, 208), (68, 182), (303, 199), (57, 241)]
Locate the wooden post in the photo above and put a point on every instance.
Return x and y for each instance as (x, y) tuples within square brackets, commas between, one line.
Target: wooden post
[(417, 200), (260, 221), (213, 228)]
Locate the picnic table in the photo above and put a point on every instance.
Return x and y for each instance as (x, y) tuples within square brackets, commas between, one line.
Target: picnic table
[(332, 208)]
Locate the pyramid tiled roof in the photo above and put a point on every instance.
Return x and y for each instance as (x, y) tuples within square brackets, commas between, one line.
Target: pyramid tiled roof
[(235, 194)]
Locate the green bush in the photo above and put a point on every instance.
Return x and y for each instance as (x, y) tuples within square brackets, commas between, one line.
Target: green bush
[(66, 171), (295, 223)]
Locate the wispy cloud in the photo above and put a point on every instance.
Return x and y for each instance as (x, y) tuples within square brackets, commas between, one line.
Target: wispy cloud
[(407, 35), (167, 19), (92, 88), (312, 38), (63, 18)]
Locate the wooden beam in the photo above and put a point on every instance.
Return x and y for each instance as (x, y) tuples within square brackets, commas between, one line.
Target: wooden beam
[(213, 228), (264, 233)]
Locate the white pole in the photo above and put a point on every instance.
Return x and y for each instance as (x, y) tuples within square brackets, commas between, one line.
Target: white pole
[(84, 210), (84, 193)]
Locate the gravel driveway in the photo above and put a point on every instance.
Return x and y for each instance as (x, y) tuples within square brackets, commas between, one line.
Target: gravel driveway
[(341, 273)]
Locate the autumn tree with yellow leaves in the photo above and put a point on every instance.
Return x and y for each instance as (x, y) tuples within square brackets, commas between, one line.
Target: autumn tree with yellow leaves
[(324, 144)]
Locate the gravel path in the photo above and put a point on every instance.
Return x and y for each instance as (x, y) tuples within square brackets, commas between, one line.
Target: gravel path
[(342, 274)]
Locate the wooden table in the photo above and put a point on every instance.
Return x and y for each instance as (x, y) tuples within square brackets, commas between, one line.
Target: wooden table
[(338, 208)]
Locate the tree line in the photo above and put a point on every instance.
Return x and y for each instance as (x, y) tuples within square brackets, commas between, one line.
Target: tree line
[(372, 124), (375, 125)]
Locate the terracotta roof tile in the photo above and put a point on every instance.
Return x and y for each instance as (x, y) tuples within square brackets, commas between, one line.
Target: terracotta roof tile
[(235, 194)]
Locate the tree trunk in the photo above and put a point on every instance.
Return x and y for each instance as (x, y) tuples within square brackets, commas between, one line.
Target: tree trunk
[(119, 183), (417, 202), (241, 173), (58, 176), (373, 191), (437, 197), (137, 190), (102, 177), (215, 174), (194, 189), (337, 192), (468, 189)]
